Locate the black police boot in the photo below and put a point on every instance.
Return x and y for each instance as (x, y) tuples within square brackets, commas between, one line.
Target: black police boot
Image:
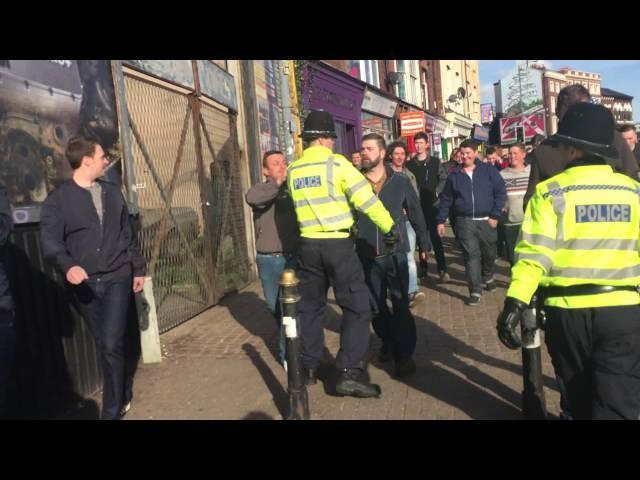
[(353, 383), (310, 376)]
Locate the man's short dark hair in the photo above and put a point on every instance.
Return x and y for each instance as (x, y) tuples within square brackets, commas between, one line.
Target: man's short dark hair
[(268, 154), (519, 145), (397, 144), (572, 94), (378, 138), (490, 151), (627, 128), (469, 144), (421, 135), (78, 148)]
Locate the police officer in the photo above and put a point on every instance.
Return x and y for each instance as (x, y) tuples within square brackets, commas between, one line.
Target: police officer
[(325, 187), (579, 242)]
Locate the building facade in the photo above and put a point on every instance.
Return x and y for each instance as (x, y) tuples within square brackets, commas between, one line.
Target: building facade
[(460, 84), (620, 105)]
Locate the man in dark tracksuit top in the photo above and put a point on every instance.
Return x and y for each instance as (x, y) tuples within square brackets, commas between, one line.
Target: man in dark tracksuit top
[(478, 193), (431, 176), (385, 268), (86, 232), (7, 326)]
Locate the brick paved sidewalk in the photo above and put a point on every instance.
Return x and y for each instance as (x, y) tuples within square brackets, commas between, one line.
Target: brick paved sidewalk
[(221, 364)]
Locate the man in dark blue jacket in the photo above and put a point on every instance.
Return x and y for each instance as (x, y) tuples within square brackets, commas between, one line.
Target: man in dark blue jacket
[(86, 232), (478, 194), (385, 268)]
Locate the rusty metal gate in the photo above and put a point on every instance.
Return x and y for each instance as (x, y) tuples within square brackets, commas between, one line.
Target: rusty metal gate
[(188, 180)]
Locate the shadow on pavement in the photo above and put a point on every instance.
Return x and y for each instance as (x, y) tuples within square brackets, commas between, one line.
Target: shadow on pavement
[(257, 416), (278, 393), (447, 377), (250, 311)]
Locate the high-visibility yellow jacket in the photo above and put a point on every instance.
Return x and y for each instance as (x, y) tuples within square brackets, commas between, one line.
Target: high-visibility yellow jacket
[(580, 227), (323, 186)]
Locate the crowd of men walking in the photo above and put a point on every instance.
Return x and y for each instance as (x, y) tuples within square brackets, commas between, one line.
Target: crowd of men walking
[(360, 221)]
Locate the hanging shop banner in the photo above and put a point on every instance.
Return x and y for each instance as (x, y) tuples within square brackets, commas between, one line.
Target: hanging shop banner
[(42, 104), (486, 113), (480, 133), (411, 123), (179, 72), (437, 139), (429, 123)]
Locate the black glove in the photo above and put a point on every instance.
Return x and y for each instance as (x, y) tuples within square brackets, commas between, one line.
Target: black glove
[(508, 323), (391, 237)]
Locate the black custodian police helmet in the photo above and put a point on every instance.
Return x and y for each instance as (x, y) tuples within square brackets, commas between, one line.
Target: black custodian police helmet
[(588, 127), (318, 124)]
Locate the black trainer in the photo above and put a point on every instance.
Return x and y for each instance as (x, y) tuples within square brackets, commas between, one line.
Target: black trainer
[(352, 383), (474, 300), (490, 286)]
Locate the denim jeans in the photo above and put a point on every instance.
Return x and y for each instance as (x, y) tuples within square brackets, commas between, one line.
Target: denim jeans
[(270, 267), (411, 259), (104, 306), (430, 216), (511, 233), (388, 275), (478, 240)]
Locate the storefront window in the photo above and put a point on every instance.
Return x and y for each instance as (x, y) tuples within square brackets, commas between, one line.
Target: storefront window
[(369, 72), (372, 123), (353, 67), (402, 88)]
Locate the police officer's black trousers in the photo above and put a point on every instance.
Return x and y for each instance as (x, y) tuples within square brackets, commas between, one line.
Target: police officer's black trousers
[(596, 353), (333, 262)]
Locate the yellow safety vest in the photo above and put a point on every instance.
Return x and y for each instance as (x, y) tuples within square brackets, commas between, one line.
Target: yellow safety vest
[(323, 186), (580, 227)]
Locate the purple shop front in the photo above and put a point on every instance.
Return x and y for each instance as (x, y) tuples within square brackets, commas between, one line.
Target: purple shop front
[(341, 95)]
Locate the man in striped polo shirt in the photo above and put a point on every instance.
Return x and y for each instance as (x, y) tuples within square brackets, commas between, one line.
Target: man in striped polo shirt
[(516, 179)]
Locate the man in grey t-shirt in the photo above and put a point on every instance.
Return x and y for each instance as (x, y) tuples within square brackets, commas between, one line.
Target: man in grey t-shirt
[(516, 179)]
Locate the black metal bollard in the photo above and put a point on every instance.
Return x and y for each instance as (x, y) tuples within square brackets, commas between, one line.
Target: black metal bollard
[(534, 405), (298, 397)]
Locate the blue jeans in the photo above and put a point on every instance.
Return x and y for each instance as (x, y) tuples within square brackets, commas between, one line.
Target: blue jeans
[(478, 241), (270, 267), (104, 306), (411, 259)]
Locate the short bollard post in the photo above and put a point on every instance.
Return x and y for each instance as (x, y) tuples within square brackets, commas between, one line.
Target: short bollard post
[(533, 401), (298, 397)]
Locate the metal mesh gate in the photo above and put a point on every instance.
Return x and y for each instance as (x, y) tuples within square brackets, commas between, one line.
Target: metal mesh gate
[(222, 170), (186, 219)]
